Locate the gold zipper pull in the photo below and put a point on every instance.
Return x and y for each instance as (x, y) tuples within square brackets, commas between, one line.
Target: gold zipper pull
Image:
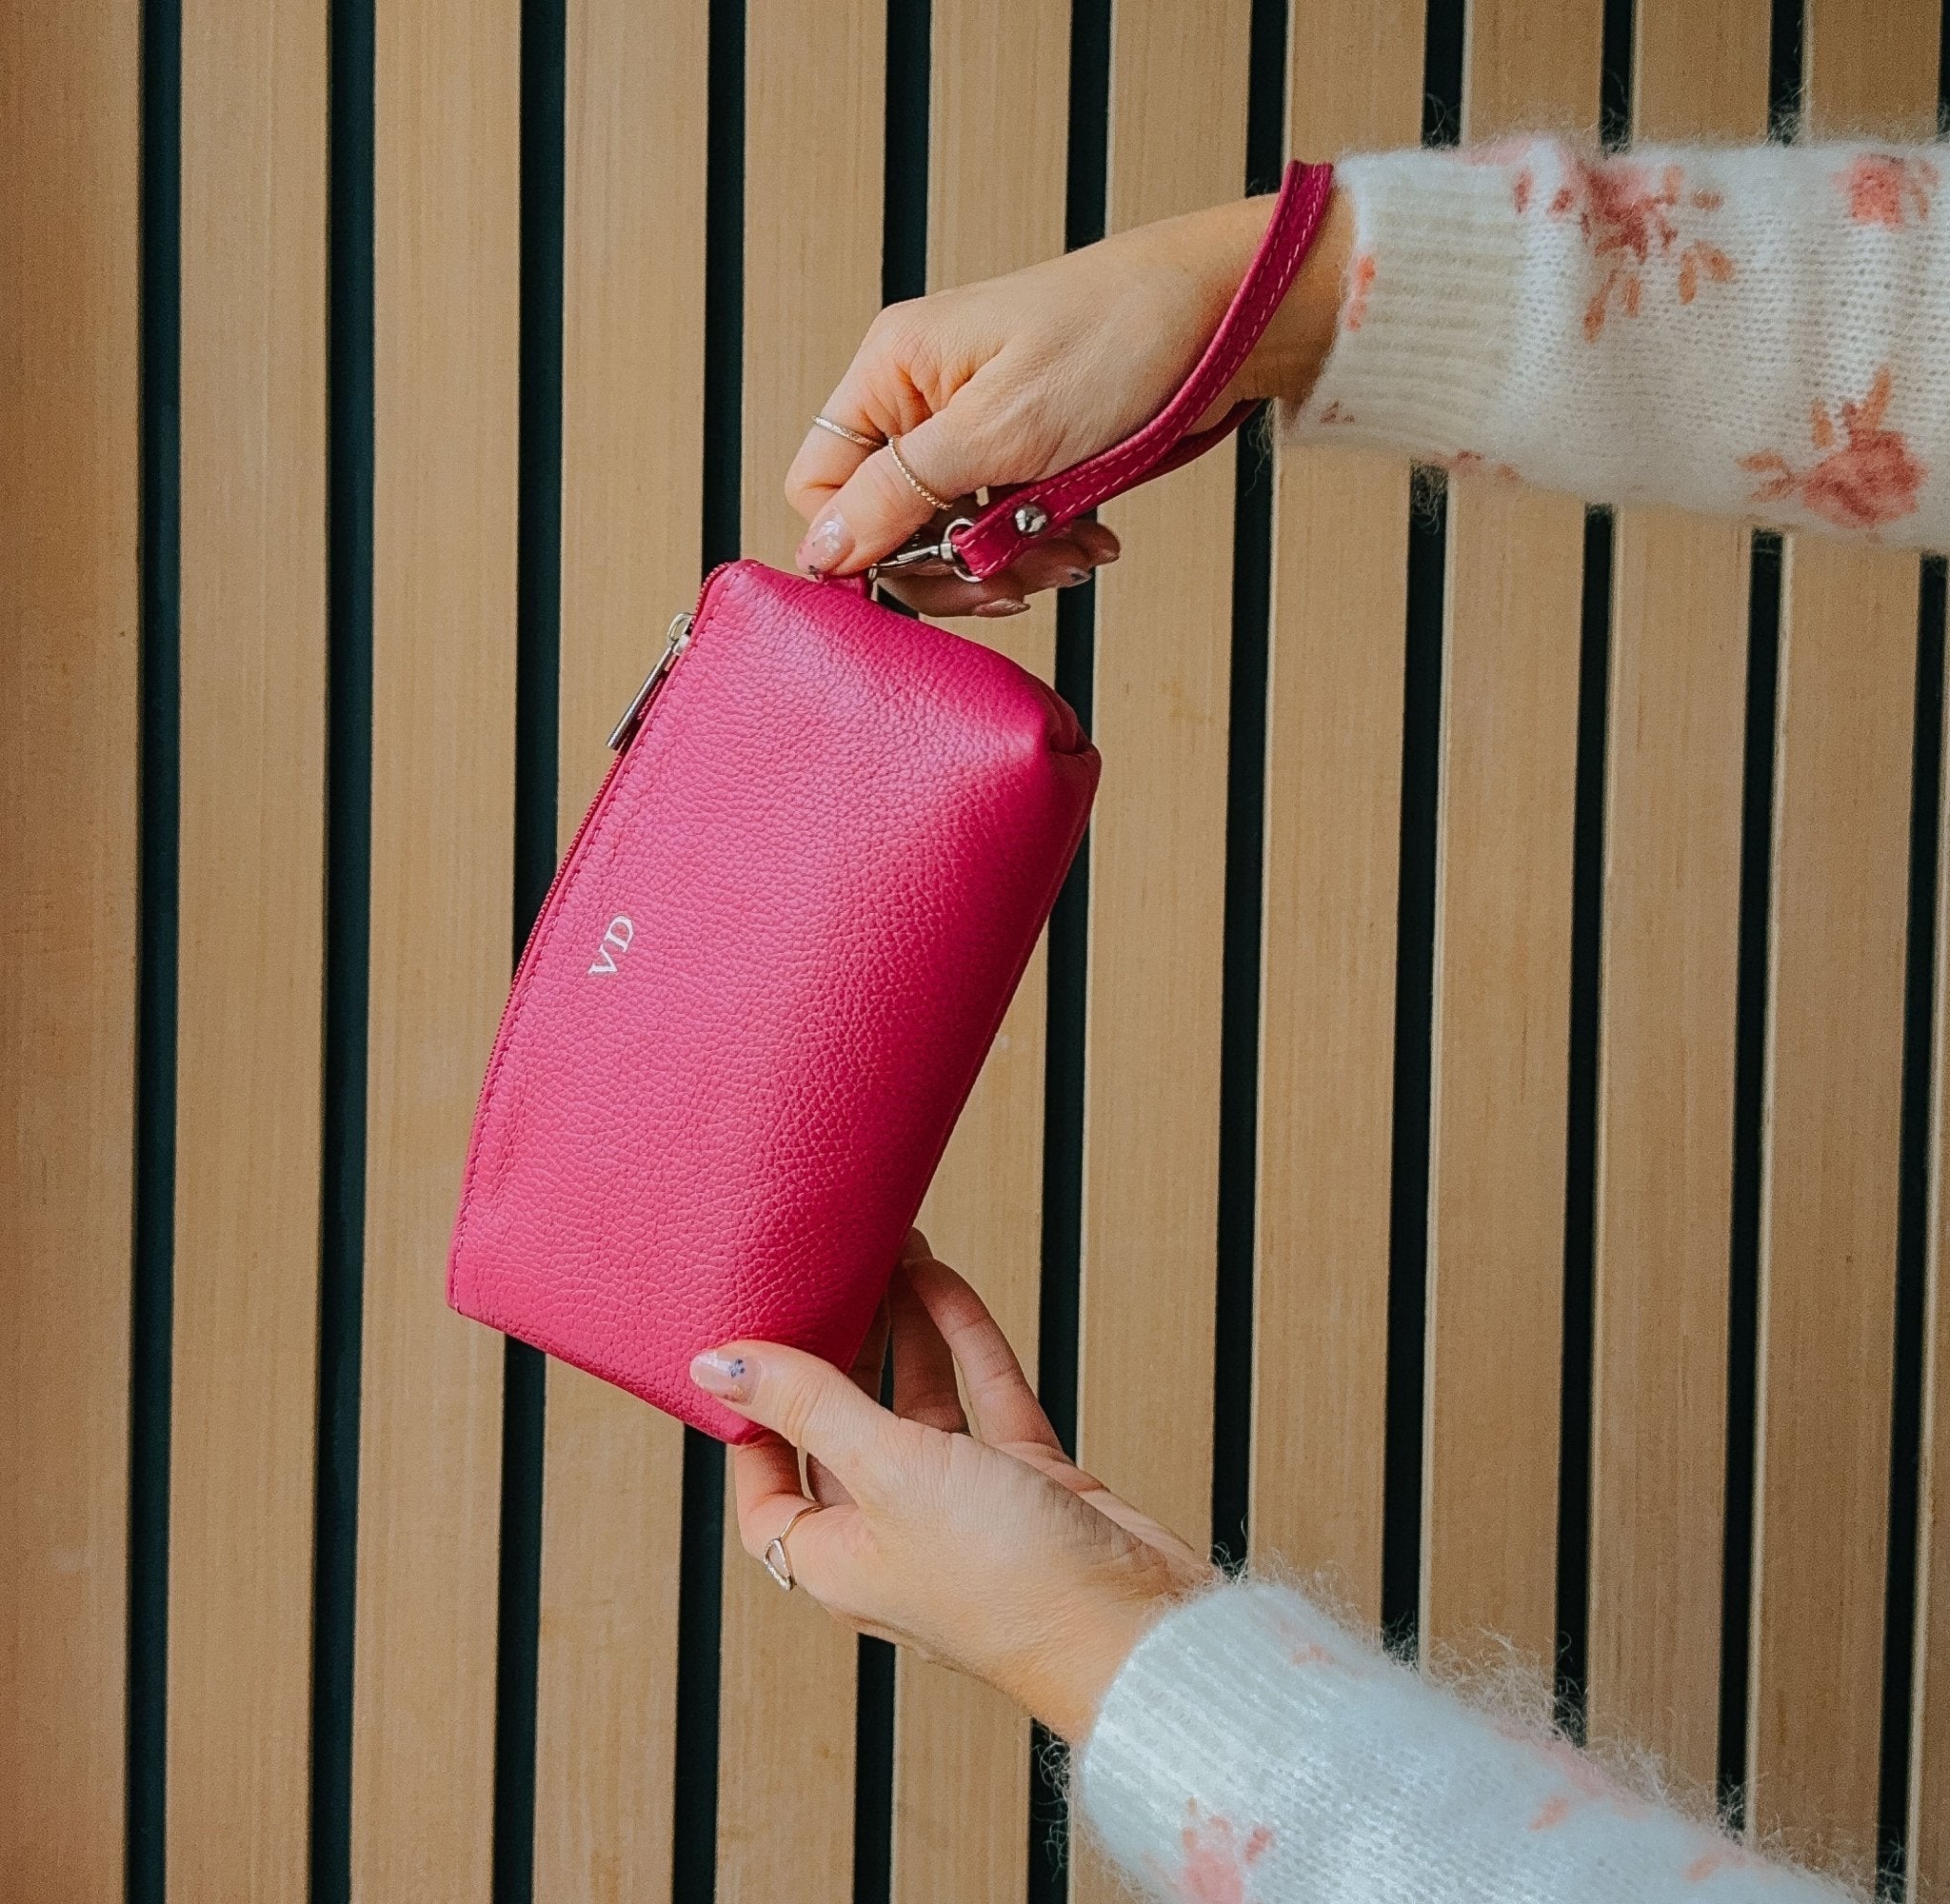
[(674, 644)]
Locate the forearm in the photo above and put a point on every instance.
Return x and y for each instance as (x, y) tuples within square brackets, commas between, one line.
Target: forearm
[(1252, 1748), (1760, 332)]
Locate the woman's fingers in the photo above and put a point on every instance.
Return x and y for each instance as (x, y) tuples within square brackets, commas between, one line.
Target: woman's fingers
[(805, 1400), (925, 1387), (999, 1399)]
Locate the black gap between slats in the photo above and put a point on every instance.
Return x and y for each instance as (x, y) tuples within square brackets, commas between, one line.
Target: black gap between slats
[(1581, 1128), (537, 750), (347, 920), (1750, 1059), (1086, 203), (152, 1295), (1912, 1239), (1245, 787), (1415, 924), (902, 274), (700, 1589), (1580, 1122)]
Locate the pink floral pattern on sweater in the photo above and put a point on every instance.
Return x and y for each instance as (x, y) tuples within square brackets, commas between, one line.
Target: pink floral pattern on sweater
[(1630, 218), (1872, 477), (1885, 189), (1217, 1859)]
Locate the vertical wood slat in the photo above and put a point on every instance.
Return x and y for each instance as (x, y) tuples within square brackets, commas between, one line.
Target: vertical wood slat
[(69, 113), (962, 1751), (632, 418), (1333, 803), (447, 271), (1834, 1089), (814, 112), (1668, 990), (250, 958), (1510, 666), (1158, 852)]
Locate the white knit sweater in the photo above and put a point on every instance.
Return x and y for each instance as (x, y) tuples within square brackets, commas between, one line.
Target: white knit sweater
[(1250, 1751), (1761, 332)]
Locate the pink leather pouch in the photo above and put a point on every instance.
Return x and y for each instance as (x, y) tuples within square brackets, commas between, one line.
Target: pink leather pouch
[(773, 960)]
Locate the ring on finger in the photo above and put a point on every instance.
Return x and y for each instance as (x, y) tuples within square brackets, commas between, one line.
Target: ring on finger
[(915, 483), (780, 1567), (852, 435)]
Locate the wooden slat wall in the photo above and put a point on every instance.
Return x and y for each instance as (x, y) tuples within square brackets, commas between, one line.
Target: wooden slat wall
[(1157, 853), (1334, 703), (1834, 1080), (1671, 933), (250, 957), (812, 257), (1510, 677), (962, 1751), (446, 272), (69, 113), (253, 773), (633, 424)]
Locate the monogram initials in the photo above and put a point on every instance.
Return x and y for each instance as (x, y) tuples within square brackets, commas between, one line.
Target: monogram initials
[(615, 942)]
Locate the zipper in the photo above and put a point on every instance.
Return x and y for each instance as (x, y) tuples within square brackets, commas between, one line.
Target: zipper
[(627, 729), (675, 642)]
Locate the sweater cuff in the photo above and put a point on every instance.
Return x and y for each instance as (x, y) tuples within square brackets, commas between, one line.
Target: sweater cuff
[(1430, 321), (1252, 1749)]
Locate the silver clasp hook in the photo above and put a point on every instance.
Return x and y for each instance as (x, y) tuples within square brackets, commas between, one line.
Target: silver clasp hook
[(916, 553)]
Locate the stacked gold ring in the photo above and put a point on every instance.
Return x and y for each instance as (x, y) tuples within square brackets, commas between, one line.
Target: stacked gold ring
[(852, 435)]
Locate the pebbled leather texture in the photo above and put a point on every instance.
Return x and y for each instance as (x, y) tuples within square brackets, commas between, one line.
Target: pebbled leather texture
[(992, 541), (832, 841)]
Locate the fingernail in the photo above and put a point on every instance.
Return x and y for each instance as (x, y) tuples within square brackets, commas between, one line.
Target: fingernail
[(721, 1375), (1072, 576), (1007, 604), (827, 543)]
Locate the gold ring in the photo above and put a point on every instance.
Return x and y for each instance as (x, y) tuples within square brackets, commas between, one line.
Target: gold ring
[(915, 483), (781, 1569), (852, 435)]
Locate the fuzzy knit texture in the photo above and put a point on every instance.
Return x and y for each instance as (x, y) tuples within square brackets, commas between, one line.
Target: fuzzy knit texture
[(1251, 1751), (1760, 332)]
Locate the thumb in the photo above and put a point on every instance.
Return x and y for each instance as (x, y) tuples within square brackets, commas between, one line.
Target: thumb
[(810, 1402), (878, 509)]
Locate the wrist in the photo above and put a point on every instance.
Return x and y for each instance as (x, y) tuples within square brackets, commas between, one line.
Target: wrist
[(1291, 352), (1103, 1620)]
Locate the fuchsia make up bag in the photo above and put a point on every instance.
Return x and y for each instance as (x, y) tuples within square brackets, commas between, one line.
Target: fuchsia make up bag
[(775, 955)]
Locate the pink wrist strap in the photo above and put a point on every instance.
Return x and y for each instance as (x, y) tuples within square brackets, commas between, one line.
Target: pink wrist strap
[(1018, 516)]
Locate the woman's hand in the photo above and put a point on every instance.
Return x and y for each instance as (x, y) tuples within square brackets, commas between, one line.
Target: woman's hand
[(995, 1556), (1018, 377)]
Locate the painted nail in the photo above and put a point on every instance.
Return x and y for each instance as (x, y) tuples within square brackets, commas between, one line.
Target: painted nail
[(827, 543), (721, 1375), (1072, 576), (1006, 605)]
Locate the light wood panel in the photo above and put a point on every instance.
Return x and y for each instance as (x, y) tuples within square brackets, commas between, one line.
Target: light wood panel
[(633, 424), (1928, 1850), (446, 263), (69, 113), (251, 958), (962, 1751), (1334, 702), (1510, 670), (1834, 1081), (1157, 853), (1668, 993), (814, 105)]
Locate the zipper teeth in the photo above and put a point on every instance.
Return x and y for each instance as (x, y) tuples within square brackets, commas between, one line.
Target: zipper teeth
[(575, 845)]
